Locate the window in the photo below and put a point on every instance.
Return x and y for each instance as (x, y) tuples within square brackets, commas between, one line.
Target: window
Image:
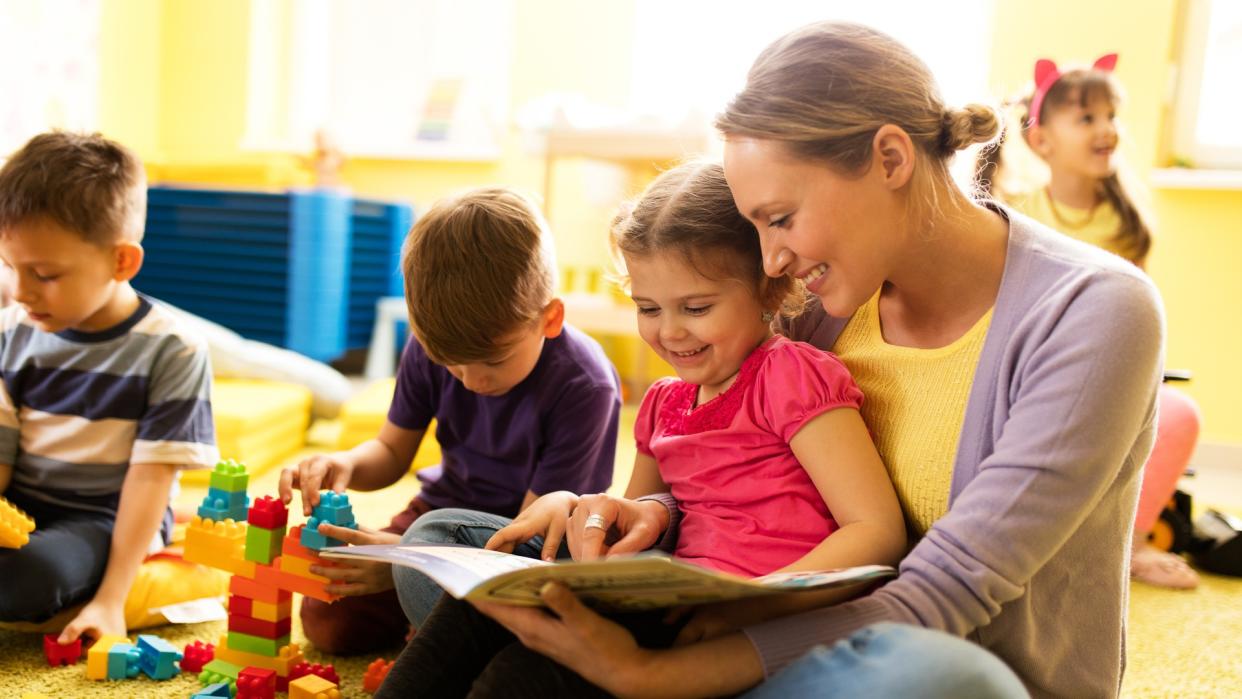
[(419, 79), (1205, 132)]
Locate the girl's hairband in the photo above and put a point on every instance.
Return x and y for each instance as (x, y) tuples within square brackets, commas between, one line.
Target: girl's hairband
[(1047, 74)]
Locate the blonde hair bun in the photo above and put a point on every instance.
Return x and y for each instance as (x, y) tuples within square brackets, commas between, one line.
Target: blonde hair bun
[(964, 127)]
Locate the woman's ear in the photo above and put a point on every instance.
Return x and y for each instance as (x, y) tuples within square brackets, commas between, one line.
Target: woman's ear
[(129, 258), (553, 319), (893, 153)]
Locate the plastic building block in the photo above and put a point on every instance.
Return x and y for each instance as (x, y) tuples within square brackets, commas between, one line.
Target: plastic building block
[(375, 674), (15, 526), (258, 627), (256, 683), (223, 504), (196, 655), (325, 671), (219, 690), (123, 659), (312, 539), (274, 577), (230, 476), (256, 590), (293, 545), (301, 567), (313, 687), (262, 545), (220, 671), (282, 662), (269, 513), (263, 611), (256, 644), (58, 654), (97, 656), (158, 658), (334, 508), (218, 544)]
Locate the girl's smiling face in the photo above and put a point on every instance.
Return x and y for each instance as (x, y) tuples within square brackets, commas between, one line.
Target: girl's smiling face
[(704, 327)]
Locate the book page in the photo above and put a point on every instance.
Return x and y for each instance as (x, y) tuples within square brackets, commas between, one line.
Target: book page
[(458, 569)]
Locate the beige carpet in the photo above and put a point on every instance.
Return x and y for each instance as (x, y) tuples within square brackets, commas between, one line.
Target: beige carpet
[(1182, 644)]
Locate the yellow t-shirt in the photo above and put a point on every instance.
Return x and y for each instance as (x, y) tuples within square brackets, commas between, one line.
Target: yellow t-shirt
[(1096, 226), (914, 405)]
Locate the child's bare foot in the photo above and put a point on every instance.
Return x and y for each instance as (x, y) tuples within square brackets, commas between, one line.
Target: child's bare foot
[(1163, 569)]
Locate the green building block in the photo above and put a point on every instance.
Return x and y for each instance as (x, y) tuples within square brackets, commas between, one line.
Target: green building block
[(230, 476), (257, 645), (220, 671), (262, 545)]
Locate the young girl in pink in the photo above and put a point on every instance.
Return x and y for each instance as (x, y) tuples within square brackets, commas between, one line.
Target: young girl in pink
[(759, 439)]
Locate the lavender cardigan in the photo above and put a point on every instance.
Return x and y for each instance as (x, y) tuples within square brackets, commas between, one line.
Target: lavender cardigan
[(1031, 559)]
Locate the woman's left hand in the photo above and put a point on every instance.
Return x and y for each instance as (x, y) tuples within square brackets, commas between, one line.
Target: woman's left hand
[(598, 649)]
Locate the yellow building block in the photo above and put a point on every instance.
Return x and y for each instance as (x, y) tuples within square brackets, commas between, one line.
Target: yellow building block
[(266, 611), (301, 567), (97, 657), (313, 687), (285, 660), (218, 545), (364, 414), (257, 422), (15, 526)]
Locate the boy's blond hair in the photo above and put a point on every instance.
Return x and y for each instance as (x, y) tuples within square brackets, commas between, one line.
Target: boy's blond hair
[(84, 183), (477, 267)]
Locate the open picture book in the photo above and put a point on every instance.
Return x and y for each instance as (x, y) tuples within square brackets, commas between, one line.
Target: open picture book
[(645, 581)]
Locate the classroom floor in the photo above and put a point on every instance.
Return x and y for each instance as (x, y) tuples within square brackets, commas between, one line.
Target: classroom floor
[(1181, 644)]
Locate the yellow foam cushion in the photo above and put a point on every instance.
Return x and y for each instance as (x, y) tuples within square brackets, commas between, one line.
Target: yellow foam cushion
[(364, 414), (258, 423)]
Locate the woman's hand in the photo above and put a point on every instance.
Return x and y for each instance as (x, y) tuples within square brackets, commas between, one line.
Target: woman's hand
[(601, 651), (628, 526), (546, 517), (310, 476), (355, 577)]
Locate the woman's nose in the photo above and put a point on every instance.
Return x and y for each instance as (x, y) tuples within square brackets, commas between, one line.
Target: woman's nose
[(776, 259)]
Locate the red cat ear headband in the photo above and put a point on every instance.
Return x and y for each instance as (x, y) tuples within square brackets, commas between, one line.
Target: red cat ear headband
[(1047, 74)]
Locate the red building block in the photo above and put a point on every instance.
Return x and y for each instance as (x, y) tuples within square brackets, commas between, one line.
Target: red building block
[(256, 683), (268, 512), (259, 627), (241, 605), (375, 674), (325, 671), (58, 654), (196, 655)]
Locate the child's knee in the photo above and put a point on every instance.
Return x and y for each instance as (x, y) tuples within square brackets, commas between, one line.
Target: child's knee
[(30, 590)]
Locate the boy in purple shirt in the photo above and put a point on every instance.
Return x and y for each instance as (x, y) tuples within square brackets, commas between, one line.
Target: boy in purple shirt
[(525, 405)]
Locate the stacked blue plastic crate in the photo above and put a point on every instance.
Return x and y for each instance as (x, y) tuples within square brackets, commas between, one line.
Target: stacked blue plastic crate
[(300, 270)]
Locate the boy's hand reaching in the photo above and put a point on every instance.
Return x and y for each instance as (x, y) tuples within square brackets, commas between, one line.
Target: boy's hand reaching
[(97, 618), (330, 471), (546, 517), (350, 578)]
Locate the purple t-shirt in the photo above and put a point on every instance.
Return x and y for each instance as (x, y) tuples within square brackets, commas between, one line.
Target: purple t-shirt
[(556, 430)]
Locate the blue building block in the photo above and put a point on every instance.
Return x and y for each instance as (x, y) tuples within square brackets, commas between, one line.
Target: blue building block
[(219, 690), (158, 658), (222, 504), (312, 539), (334, 508), (123, 661)]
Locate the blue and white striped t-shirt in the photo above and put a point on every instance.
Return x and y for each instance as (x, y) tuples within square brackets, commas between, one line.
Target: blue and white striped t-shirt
[(76, 408)]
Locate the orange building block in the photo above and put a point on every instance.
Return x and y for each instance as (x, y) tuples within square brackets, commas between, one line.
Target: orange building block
[(292, 545), (301, 567), (258, 591), (273, 576), (313, 687), (375, 674)]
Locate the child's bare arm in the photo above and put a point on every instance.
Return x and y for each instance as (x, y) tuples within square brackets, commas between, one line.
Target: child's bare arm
[(144, 496), (374, 464)]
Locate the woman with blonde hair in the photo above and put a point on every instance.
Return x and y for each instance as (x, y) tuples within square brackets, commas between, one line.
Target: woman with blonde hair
[(1010, 375)]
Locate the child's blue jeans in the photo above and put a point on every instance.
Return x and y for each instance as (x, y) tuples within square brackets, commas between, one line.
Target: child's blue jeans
[(63, 563), (883, 660)]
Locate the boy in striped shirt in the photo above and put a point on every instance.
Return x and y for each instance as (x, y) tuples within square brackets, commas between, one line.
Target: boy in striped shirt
[(104, 395)]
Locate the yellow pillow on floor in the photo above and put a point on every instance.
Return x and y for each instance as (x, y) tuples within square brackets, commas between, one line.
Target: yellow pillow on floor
[(161, 581)]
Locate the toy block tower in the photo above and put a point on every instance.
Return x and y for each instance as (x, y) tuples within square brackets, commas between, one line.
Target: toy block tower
[(15, 526), (226, 496)]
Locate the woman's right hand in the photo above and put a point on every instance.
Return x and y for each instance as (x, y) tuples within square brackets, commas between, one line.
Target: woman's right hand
[(546, 517), (311, 475), (629, 526)]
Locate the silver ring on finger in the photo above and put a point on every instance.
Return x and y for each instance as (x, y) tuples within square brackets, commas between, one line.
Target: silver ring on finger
[(595, 521)]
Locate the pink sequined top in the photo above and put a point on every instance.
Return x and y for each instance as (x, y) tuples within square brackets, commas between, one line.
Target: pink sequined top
[(748, 505)]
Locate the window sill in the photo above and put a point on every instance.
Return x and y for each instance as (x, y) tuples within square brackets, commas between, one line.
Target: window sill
[(1191, 178)]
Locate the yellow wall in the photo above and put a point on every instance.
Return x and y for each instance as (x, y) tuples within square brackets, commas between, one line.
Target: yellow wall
[(1197, 258)]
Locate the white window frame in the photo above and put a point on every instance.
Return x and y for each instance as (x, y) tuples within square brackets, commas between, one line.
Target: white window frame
[(1192, 77)]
